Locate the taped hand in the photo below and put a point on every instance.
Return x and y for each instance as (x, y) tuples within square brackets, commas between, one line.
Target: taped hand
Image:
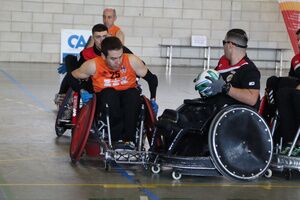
[(62, 68), (85, 96)]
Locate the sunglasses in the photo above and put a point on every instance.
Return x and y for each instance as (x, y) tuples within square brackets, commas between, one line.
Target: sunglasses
[(235, 44)]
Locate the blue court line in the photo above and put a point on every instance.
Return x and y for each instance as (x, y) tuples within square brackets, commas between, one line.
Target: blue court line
[(150, 194), (26, 91)]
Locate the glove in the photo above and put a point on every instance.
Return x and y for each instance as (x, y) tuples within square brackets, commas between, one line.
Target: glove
[(216, 86), (62, 68), (154, 106), (85, 96)]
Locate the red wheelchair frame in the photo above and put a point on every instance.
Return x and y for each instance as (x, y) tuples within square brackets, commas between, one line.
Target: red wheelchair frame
[(280, 162), (102, 146)]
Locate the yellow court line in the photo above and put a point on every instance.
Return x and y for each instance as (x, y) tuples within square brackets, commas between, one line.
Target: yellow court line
[(133, 186)]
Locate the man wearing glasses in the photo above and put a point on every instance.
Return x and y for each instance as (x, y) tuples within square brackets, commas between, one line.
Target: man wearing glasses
[(240, 78)]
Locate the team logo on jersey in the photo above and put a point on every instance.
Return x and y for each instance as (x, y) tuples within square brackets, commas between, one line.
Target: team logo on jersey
[(229, 77), (124, 80), (251, 83), (123, 69)]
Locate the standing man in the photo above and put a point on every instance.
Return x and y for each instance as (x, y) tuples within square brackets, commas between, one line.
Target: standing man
[(109, 18), (240, 82), (114, 82)]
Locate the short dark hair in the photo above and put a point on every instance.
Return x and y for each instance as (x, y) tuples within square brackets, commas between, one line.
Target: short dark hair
[(99, 28), (110, 43), (298, 32), (238, 36)]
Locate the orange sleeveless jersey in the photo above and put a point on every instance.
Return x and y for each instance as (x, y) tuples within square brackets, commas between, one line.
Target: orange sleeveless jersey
[(121, 79), (113, 30)]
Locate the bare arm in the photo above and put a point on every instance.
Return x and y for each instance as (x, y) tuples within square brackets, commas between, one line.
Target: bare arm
[(142, 71), (87, 69), (121, 36), (138, 65), (247, 96)]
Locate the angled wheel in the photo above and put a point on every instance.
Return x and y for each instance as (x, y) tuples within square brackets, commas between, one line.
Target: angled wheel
[(64, 114), (82, 129), (240, 143), (150, 118)]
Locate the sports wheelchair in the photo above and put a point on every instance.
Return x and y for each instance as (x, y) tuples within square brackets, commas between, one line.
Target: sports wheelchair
[(285, 163), (202, 140), (92, 135)]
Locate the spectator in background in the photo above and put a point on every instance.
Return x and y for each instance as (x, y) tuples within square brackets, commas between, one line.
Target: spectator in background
[(109, 18)]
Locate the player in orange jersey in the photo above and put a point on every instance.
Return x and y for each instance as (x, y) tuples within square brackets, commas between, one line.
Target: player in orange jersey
[(114, 80)]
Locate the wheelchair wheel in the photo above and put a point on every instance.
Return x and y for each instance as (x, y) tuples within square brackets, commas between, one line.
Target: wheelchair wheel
[(150, 118), (240, 143), (155, 169), (64, 114), (82, 129), (268, 173), (176, 175)]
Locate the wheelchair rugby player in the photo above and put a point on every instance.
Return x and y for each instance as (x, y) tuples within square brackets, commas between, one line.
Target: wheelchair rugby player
[(221, 132)]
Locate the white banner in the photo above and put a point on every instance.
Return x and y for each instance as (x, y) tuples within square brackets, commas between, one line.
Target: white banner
[(73, 41)]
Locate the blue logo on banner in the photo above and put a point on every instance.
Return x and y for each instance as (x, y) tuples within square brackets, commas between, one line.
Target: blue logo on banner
[(76, 41)]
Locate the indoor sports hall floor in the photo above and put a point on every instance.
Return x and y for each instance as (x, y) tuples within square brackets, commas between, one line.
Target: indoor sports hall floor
[(35, 165)]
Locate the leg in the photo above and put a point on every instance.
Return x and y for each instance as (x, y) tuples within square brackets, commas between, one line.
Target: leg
[(287, 124), (71, 63), (112, 98), (131, 104), (64, 86), (296, 107)]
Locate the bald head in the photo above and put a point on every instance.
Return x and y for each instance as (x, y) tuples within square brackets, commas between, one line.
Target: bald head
[(110, 10), (109, 17)]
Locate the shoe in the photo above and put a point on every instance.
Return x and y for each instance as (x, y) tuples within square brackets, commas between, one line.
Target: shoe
[(296, 151), (129, 145), (285, 150), (119, 145), (124, 145), (58, 99)]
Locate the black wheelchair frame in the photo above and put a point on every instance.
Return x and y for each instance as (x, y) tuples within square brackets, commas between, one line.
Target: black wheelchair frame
[(88, 125), (224, 155)]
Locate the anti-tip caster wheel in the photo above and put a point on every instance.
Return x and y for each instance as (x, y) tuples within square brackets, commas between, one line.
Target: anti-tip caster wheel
[(155, 169), (268, 173), (176, 175)]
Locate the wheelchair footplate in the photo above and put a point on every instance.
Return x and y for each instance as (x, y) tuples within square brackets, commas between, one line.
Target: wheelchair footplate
[(127, 156), (122, 156), (282, 162), (192, 166)]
